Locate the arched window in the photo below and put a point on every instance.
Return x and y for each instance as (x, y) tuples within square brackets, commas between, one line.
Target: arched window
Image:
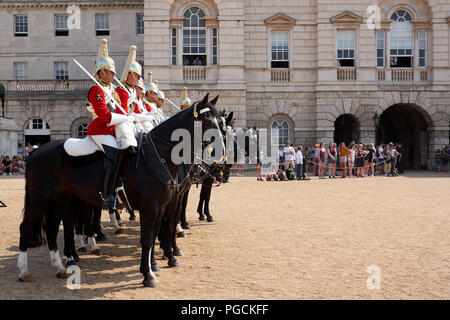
[(401, 40), (36, 131), (37, 126), (279, 132), (194, 37), (82, 130)]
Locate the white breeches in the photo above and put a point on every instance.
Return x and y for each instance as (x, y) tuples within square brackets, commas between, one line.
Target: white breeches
[(126, 133), (106, 139)]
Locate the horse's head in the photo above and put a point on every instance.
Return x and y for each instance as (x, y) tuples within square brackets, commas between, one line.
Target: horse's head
[(206, 112)]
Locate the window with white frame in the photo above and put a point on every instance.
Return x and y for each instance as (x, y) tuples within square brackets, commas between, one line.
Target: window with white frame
[(20, 25), (380, 48), (194, 37), (139, 24), (174, 46), (422, 35), (102, 24), (20, 70), (82, 130), (279, 132), (401, 40), (61, 28), (346, 48), (280, 49), (61, 71), (36, 126)]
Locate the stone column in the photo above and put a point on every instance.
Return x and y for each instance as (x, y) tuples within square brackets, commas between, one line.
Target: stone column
[(8, 137)]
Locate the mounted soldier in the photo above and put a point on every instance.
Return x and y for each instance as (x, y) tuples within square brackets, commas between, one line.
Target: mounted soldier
[(142, 109), (106, 118), (185, 101)]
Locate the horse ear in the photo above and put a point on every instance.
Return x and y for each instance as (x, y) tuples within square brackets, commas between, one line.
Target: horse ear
[(229, 118), (205, 100), (214, 101)]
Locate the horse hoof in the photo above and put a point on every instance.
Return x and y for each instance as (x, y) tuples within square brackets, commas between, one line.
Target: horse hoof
[(155, 268), (173, 264), (178, 253), (96, 252), (186, 226), (100, 237), (25, 278), (118, 231), (210, 219), (62, 275), (70, 263), (181, 234), (132, 218), (82, 249), (201, 218), (150, 283)]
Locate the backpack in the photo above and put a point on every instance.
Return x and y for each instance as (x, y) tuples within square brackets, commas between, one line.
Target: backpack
[(377, 154), (290, 174)]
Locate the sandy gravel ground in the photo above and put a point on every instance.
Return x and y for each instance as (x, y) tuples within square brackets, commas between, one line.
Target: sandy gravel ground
[(271, 240)]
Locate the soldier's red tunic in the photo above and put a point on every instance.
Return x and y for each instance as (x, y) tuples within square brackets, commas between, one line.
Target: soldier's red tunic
[(99, 126), (123, 95), (147, 106), (137, 109)]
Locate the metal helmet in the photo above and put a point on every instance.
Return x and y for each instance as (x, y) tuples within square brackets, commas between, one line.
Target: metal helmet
[(185, 101), (131, 65), (140, 84), (150, 86), (104, 62), (161, 95)]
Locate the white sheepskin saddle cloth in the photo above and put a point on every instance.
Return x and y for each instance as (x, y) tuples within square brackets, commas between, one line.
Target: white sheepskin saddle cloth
[(80, 147)]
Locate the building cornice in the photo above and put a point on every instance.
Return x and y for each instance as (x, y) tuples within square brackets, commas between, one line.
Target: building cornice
[(65, 4)]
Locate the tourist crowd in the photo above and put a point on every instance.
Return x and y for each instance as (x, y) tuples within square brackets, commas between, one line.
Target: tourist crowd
[(354, 160), (16, 164)]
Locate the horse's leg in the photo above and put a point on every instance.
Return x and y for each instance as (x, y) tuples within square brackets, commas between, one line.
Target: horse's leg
[(200, 204), (115, 224), (79, 226), (97, 224), (69, 242), (51, 230), (176, 250), (132, 215), (154, 265), (207, 196), (89, 230), (148, 219), (184, 223), (119, 220)]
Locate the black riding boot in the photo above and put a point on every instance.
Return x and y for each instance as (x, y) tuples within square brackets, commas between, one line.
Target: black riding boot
[(114, 159)]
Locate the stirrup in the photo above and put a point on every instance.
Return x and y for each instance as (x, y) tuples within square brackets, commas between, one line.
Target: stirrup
[(116, 205)]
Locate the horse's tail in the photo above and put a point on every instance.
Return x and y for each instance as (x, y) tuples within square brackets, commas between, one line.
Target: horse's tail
[(32, 226)]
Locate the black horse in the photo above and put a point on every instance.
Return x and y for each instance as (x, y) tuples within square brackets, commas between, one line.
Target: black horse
[(150, 183)]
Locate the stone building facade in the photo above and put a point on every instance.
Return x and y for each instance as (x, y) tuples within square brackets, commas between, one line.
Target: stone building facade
[(304, 70)]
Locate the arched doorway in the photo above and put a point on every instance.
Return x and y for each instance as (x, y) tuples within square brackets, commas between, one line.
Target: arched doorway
[(346, 129), (36, 131), (405, 124)]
